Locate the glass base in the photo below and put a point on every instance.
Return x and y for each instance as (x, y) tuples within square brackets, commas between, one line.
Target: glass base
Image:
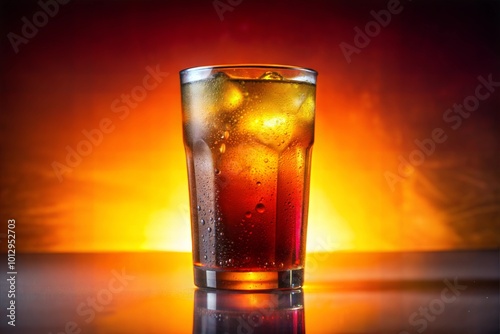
[(249, 280)]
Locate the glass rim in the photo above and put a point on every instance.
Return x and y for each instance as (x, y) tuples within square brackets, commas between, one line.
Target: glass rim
[(250, 66)]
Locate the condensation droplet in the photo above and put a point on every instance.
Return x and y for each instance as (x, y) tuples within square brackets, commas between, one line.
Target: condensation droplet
[(202, 222), (226, 134), (222, 148), (209, 229), (260, 208), (248, 214), (266, 160), (258, 183), (198, 207), (205, 257), (217, 172)]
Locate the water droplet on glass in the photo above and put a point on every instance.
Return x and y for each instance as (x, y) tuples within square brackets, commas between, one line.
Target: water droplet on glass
[(198, 207), (226, 134), (222, 148), (260, 208), (209, 229), (217, 172), (258, 183), (266, 160), (270, 75), (202, 222), (248, 214), (205, 257)]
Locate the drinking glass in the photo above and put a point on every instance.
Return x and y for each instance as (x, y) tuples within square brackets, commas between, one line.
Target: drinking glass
[(248, 134)]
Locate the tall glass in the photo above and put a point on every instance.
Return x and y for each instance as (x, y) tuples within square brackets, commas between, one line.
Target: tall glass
[(248, 135)]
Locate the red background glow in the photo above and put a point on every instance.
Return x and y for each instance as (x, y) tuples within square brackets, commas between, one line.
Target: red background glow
[(130, 193)]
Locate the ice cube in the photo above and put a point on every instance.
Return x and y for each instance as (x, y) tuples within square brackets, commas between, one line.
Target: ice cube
[(252, 164), (211, 103), (306, 110), (272, 129), (270, 75), (226, 94)]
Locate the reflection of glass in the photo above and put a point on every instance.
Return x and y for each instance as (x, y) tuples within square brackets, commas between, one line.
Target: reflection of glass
[(221, 312), (248, 134)]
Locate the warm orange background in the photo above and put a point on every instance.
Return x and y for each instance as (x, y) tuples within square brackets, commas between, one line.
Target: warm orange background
[(131, 192)]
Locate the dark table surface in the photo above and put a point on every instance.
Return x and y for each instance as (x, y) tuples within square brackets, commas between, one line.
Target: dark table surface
[(442, 292)]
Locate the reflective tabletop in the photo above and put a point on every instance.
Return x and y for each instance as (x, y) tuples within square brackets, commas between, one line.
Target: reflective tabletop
[(444, 292)]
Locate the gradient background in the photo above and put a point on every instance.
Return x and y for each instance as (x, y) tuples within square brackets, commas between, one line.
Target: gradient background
[(131, 192)]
